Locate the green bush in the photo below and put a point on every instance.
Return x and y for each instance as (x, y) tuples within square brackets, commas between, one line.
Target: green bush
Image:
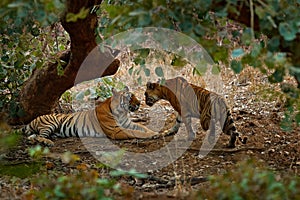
[(84, 185), (102, 91), (249, 180)]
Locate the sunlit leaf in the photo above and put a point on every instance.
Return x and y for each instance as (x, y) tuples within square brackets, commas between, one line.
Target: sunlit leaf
[(237, 53), (130, 70), (288, 31), (200, 68), (178, 61), (215, 69), (80, 95), (73, 17), (256, 50), (139, 80), (147, 71), (247, 36), (159, 71)]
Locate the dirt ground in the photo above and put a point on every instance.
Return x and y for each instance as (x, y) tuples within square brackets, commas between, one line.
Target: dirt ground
[(256, 116)]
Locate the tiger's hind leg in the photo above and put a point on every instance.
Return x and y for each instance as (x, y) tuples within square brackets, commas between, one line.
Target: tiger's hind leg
[(209, 123), (188, 125), (232, 139), (212, 131)]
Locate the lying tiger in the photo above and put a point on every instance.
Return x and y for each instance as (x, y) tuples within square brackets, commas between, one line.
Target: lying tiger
[(192, 101), (109, 118)]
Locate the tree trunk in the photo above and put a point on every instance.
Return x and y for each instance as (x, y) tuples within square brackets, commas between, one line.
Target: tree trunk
[(44, 87)]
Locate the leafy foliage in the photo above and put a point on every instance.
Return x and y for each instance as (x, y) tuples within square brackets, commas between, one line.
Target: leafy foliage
[(8, 138), (251, 181), (83, 185), (26, 45), (278, 20), (102, 91)]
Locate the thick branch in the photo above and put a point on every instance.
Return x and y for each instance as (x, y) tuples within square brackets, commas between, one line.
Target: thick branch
[(44, 87)]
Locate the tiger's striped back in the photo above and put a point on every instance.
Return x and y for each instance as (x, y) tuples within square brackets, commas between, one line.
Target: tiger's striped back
[(211, 105), (193, 101)]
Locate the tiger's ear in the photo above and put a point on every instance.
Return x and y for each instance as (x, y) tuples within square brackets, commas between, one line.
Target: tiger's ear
[(150, 86)]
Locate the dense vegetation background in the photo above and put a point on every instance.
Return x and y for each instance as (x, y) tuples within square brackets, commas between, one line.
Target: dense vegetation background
[(44, 42)]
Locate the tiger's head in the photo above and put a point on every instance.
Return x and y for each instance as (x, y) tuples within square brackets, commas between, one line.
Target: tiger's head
[(126, 100), (153, 93)]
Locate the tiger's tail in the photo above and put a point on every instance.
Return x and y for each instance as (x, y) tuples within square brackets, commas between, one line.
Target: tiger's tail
[(242, 140), (229, 126)]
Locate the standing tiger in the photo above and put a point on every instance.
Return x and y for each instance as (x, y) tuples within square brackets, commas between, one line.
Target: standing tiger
[(109, 118), (193, 101)]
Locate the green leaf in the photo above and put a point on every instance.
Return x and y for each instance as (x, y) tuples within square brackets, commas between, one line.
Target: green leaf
[(277, 76), (261, 12), (288, 31), (143, 53), (39, 63), (35, 31), (139, 60), (147, 72), (73, 17), (256, 50), (80, 95), (199, 30), (297, 118), (131, 172), (237, 53), (236, 66), (200, 68), (60, 69), (215, 70), (58, 192), (137, 13), (286, 123), (177, 61), (130, 70), (273, 43), (247, 36), (139, 80), (3, 72), (222, 13), (5, 58), (144, 20), (159, 72)]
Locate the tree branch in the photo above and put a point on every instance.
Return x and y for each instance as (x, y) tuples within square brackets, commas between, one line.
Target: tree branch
[(44, 87)]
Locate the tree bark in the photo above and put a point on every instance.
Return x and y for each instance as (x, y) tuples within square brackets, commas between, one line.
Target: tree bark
[(44, 87)]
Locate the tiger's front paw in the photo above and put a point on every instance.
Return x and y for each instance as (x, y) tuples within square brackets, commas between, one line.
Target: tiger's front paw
[(44, 141), (32, 139)]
